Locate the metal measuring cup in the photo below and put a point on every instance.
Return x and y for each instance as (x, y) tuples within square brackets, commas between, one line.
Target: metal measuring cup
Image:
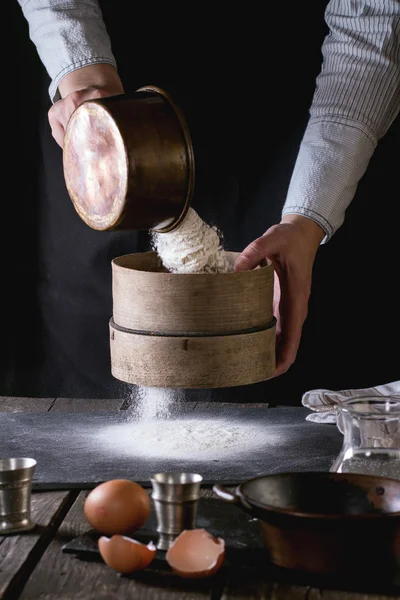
[(16, 476), (175, 497)]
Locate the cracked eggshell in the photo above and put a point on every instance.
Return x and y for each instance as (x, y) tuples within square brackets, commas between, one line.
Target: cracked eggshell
[(124, 554), (195, 553)]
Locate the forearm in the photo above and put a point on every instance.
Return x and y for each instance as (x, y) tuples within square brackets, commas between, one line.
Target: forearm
[(69, 35), (356, 100), (331, 161)]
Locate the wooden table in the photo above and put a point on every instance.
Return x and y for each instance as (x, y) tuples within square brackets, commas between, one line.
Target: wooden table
[(33, 565)]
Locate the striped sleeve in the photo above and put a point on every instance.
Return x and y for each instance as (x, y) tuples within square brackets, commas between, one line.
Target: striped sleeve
[(357, 98), (68, 35)]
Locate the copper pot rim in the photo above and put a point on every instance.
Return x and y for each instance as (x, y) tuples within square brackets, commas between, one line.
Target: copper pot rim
[(247, 502), (189, 153)]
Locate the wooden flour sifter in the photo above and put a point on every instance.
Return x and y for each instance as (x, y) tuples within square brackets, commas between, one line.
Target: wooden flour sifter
[(129, 163)]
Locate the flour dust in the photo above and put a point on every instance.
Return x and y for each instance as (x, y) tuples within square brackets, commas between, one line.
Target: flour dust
[(187, 438), (149, 403), (193, 247)]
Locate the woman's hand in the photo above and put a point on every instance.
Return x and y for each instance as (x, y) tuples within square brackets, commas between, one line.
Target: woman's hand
[(291, 246), (88, 83)]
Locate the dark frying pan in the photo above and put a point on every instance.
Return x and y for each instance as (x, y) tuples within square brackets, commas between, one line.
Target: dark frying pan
[(331, 523)]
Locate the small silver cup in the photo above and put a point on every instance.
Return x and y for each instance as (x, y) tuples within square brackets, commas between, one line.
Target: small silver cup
[(175, 497), (16, 476)]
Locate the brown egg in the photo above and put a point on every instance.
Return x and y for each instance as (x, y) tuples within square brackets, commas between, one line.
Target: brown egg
[(117, 506), (124, 554), (196, 553)]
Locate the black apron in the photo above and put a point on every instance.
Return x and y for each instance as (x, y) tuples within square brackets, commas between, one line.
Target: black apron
[(245, 83)]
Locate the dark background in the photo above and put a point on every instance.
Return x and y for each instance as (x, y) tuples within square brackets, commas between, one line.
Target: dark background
[(351, 335)]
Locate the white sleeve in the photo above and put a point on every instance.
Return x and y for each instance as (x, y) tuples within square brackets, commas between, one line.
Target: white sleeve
[(68, 35), (357, 98)]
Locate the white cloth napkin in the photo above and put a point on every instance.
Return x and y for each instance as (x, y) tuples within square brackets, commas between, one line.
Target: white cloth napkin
[(322, 402)]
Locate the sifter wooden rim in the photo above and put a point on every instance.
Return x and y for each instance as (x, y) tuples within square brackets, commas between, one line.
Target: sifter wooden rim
[(189, 153), (192, 334)]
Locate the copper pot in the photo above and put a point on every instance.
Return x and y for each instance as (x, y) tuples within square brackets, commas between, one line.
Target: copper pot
[(327, 523), (128, 161)]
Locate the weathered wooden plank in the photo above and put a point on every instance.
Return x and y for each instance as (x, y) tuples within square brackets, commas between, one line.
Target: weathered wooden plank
[(241, 405), (182, 405), (19, 553), (246, 586), (86, 404), (17, 404), (339, 595), (250, 586), (208, 404), (284, 591), (62, 576), (240, 586)]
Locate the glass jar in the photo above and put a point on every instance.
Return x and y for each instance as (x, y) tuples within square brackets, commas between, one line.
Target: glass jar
[(371, 430)]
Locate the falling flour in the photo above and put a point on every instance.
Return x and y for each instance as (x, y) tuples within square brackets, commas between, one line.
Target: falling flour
[(193, 247), (149, 403)]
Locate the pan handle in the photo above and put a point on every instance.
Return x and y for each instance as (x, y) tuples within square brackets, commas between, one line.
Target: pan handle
[(232, 498), (224, 494)]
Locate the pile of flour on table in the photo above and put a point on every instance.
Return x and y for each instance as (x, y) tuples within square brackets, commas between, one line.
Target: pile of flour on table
[(189, 436), (193, 247)]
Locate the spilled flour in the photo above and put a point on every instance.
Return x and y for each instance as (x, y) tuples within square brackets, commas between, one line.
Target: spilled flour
[(186, 438), (193, 247)]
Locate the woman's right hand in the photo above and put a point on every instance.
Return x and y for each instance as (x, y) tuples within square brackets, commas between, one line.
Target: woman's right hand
[(87, 83)]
